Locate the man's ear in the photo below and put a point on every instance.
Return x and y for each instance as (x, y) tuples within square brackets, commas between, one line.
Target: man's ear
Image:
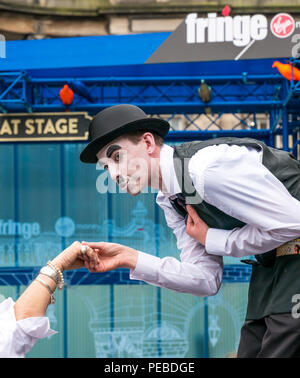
[(150, 142)]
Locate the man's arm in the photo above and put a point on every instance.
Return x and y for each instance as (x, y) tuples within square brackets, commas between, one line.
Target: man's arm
[(238, 183), (196, 272)]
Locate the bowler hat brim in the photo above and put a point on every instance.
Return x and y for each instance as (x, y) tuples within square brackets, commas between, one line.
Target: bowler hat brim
[(159, 126)]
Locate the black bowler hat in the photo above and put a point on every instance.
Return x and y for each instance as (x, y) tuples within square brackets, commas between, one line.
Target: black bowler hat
[(115, 121)]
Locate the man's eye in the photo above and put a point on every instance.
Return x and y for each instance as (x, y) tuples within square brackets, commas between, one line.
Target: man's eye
[(117, 157)]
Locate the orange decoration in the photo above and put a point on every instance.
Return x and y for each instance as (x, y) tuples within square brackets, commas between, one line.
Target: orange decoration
[(286, 70), (66, 95)]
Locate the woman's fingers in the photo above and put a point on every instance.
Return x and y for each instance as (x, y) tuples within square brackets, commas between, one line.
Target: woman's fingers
[(89, 266), (93, 257), (88, 255), (94, 245)]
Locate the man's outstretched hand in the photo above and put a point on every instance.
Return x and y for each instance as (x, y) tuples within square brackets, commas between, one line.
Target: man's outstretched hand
[(110, 256)]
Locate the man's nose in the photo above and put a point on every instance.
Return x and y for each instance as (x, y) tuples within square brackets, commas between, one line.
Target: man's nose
[(114, 173)]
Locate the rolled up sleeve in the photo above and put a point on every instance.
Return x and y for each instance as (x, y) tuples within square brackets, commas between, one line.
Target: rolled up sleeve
[(18, 337)]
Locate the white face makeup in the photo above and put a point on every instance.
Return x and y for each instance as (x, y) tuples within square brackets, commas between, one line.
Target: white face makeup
[(127, 163)]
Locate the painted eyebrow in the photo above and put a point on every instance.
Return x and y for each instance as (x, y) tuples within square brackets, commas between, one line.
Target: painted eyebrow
[(111, 149)]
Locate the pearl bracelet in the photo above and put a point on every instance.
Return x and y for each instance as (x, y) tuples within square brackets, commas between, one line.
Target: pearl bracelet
[(61, 281)]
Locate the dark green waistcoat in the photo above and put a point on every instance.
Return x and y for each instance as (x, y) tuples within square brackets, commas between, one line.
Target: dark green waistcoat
[(273, 280)]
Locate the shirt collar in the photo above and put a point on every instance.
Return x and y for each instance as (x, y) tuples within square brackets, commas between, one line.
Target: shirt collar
[(168, 175)]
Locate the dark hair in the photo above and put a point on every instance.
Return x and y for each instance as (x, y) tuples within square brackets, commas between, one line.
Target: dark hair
[(135, 137)]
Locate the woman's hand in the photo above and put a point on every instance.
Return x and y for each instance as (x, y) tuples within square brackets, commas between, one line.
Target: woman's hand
[(72, 258), (195, 227)]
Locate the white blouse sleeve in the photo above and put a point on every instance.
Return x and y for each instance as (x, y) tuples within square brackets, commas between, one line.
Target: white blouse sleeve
[(18, 337)]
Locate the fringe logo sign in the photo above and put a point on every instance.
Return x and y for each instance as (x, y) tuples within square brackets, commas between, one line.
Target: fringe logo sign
[(230, 37)]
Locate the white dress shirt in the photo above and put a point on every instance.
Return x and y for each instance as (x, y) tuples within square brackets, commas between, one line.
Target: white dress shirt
[(18, 337), (233, 179), (196, 272)]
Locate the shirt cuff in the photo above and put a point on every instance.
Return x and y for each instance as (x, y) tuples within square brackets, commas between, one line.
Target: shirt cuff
[(216, 240), (146, 268), (28, 331), (18, 337), (36, 327)]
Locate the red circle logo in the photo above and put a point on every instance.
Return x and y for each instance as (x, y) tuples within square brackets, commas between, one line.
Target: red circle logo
[(282, 25)]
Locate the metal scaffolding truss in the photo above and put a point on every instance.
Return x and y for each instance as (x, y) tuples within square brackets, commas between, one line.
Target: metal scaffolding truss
[(240, 93), (244, 96)]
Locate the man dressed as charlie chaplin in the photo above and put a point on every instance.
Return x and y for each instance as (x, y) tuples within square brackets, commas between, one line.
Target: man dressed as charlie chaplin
[(222, 197)]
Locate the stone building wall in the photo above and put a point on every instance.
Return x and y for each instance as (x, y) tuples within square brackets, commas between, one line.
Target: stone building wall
[(29, 19)]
